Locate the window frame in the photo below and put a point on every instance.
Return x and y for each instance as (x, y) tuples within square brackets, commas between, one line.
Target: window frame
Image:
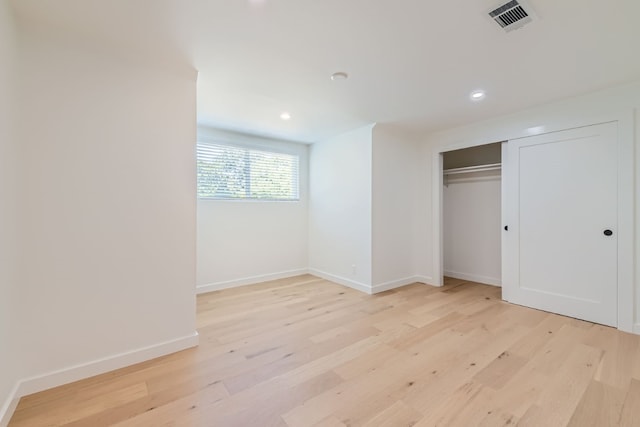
[(248, 148)]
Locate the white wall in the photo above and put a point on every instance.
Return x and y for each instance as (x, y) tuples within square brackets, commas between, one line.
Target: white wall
[(108, 187), (423, 216), (241, 242), (396, 180), (9, 369), (340, 209), (471, 227), (572, 112)]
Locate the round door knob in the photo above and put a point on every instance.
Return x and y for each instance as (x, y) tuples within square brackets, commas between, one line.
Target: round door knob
[(608, 232)]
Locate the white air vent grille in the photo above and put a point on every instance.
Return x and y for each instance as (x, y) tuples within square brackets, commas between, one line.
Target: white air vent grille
[(511, 16)]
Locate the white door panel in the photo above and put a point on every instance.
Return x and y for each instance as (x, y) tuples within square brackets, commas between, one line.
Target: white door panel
[(562, 196)]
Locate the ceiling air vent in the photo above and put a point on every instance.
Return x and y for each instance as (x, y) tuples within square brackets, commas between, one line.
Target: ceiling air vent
[(512, 15)]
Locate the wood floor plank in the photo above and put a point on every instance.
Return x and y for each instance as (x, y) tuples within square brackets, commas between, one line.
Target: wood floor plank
[(452, 409), (460, 364), (630, 415), (557, 404), (304, 351), (78, 408), (373, 360), (501, 370), (618, 360), (330, 422), (397, 415), (294, 359), (601, 405)]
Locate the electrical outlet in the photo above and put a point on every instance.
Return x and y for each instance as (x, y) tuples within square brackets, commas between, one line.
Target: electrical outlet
[(353, 269)]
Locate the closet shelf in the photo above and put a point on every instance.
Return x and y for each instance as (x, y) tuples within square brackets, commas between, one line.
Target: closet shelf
[(470, 169)]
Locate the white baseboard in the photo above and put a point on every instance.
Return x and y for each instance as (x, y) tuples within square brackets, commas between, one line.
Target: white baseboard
[(636, 328), (9, 406), (218, 286), (342, 281), (474, 278), (382, 287), (427, 280), (85, 370)]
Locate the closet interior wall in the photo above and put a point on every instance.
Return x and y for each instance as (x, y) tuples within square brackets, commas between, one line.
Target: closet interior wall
[(472, 200)]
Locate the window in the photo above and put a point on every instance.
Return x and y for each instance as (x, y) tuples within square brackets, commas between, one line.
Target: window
[(229, 172)]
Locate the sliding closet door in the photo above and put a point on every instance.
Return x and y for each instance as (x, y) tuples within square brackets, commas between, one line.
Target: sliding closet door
[(561, 243)]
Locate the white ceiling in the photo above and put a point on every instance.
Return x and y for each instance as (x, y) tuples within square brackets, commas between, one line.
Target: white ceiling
[(411, 62)]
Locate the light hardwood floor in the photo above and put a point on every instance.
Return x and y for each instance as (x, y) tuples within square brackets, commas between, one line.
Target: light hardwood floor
[(307, 352)]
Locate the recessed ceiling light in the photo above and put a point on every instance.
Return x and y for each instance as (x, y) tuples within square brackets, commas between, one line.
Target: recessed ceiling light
[(535, 130), (477, 95), (339, 76), (285, 116)]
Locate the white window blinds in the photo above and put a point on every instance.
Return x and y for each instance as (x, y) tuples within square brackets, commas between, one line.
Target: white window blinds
[(230, 172)]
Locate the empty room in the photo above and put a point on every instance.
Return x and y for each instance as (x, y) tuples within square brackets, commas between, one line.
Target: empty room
[(303, 213)]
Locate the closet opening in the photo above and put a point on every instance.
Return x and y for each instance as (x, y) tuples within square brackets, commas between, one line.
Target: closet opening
[(471, 209)]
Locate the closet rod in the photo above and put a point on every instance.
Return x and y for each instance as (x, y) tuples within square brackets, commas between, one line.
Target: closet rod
[(482, 168)]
